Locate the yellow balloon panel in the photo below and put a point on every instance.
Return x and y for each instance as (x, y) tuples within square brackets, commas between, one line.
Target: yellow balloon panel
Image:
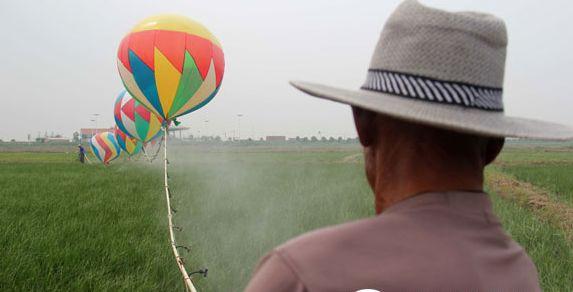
[(175, 22)]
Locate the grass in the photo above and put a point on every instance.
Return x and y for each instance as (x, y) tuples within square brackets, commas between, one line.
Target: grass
[(546, 245), (535, 156), (557, 178), (77, 227), (72, 227), (18, 158)]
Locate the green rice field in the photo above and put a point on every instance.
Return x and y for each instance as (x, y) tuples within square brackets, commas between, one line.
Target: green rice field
[(72, 227), (557, 178)]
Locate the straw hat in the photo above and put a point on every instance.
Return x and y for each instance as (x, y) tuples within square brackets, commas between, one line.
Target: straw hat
[(442, 69)]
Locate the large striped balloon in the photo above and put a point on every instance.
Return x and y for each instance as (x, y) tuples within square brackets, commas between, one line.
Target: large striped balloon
[(105, 147), (171, 64), (129, 145), (134, 119)]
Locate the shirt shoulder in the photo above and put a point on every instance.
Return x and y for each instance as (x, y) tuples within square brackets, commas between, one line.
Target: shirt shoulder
[(286, 268), (327, 259), (344, 235), (275, 274)]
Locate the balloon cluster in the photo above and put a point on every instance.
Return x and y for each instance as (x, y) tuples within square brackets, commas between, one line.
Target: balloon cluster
[(170, 66)]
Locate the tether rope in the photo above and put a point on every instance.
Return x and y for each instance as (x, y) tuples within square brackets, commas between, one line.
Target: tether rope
[(154, 155), (186, 276), (87, 158)]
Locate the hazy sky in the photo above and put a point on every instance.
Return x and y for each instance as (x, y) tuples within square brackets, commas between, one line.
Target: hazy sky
[(58, 60)]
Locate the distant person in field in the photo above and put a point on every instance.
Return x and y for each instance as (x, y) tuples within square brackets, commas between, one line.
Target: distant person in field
[(81, 153), (430, 118)]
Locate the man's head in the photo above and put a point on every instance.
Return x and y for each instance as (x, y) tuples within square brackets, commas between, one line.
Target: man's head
[(440, 68), (403, 158)]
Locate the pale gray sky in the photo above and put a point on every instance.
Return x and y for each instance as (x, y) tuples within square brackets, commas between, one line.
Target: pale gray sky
[(58, 60)]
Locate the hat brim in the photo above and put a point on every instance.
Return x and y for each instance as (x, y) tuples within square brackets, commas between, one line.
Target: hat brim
[(452, 117)]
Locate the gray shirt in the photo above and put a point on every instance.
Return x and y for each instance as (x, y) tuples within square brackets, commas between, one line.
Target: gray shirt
[(447, 241)]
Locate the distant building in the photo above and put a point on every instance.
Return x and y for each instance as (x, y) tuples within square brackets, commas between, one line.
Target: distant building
[(53, 138), (276, 139), (174, 130), (87, 133)]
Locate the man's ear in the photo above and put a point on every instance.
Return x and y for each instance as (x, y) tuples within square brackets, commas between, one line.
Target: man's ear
[(494, 146), (364, 120)]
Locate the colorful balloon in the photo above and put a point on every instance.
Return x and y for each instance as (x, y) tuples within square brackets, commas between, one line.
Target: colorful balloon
[(134, 119), (129, 145), (171, 64), (105, 147)]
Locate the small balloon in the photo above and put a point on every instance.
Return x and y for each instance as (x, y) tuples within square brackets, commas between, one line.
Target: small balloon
[(171, 64), (134, 119), (129, 145), (105, 147)]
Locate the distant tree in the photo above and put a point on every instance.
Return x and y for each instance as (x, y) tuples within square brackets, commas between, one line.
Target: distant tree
[(313, 139), (297, 138), (339, 139), (304, 139), (218, 138), (323, 139), (331, 139), (13, 140)]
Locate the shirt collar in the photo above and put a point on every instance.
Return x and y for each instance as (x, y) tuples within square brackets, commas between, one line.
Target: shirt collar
[(466, 201)]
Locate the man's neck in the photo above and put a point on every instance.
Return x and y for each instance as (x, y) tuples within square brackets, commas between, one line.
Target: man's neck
[(416, 174)]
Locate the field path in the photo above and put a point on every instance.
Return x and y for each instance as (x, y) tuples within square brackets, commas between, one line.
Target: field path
[(533, 197), (353, 158)]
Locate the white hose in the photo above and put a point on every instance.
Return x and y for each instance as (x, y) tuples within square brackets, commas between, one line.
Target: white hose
[(178, 259)]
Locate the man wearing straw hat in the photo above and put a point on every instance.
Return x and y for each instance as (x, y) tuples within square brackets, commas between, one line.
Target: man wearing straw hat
[(430, 118)]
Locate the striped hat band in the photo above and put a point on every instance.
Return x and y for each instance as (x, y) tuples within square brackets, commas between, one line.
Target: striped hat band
[(433, 90)]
